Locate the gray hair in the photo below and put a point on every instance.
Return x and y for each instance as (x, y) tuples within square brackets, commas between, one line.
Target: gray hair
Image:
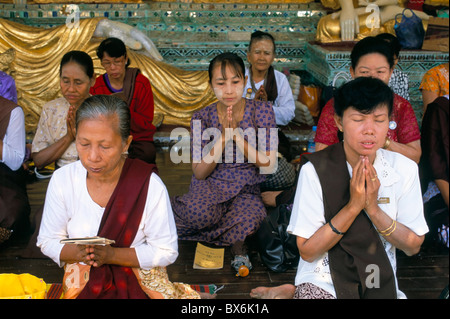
[(106, 105)]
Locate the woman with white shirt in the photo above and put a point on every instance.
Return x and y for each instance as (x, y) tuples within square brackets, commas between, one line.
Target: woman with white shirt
[(267, 84), (109, 195), (355, 204), (264, 82), (14, 205)]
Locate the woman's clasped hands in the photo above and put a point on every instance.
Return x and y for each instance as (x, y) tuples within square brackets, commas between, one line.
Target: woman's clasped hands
[(364, 186), (70, 121), (95, 255)]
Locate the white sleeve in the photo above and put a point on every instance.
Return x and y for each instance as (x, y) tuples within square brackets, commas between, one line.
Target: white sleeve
[(409, 204), (307, 212), (284, 106), (14, 140), (54, 219), (160, 247)]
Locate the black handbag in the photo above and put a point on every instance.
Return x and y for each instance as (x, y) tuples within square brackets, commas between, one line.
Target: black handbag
[(277, 248), (410, 32)]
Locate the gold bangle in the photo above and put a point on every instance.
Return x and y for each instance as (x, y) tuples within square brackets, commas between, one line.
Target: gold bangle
[(388, 231), (387, 143)]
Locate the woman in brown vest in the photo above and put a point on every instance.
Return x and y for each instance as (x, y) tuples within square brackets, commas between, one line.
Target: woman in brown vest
[(349, 223)]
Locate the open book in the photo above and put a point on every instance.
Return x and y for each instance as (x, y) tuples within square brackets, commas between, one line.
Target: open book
[(88, 241), (208, 258)]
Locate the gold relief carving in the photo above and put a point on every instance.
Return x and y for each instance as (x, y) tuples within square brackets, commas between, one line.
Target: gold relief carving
[(236, 1), (38, 52)]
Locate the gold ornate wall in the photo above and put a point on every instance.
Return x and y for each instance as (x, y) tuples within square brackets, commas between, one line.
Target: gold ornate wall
[(236, 1), (150, 1), (35, 66)]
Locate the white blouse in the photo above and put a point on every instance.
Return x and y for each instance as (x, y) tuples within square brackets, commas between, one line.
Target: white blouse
[(14, 140), (399, 181), (70, 212), (284, 105)]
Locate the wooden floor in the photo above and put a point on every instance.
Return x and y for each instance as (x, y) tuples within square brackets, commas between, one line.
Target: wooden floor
[(421, 277)]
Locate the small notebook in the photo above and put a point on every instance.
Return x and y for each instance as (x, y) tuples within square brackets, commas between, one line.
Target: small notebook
[(88, 241), (208, 258)]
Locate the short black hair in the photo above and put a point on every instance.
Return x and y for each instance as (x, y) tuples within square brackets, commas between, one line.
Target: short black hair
[(393, 41), (81, 58), (364, 94), (228, 58), (114, 47), (370, 45)]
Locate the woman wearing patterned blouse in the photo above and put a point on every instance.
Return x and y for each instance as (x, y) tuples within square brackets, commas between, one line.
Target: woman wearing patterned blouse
[(54, 140), (434, 84), (224, 205)]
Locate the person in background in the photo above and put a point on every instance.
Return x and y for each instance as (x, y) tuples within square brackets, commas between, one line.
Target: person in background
[(399, 82), (434, 166), (109, 195), (223, 205), (434, 84), (372, 57), (267, 84), (135, 89), (264, 82), (54, 141), (8, 87), (14, 204), (357, 217)]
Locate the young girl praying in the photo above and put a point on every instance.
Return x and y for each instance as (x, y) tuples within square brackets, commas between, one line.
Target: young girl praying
[(224, 205)]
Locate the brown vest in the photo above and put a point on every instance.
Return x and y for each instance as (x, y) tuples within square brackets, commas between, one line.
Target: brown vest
[(361, 245)]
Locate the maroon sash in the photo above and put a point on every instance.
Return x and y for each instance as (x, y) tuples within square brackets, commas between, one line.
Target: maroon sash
[(120, 222)]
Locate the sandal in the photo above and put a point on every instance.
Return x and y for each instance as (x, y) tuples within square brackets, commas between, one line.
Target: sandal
[(239, 261)]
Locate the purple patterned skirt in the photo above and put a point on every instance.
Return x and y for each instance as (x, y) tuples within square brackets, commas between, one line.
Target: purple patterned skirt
[(201, 215)]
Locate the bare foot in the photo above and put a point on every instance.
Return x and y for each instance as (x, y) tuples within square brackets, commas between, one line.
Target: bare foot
[(206, 295), (280, 292)]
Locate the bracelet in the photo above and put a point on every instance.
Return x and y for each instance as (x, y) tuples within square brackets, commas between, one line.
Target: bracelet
[(334, 229), (388, 231), (387, 143)]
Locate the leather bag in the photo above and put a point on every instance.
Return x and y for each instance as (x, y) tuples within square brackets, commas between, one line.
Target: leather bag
[(277, 248)]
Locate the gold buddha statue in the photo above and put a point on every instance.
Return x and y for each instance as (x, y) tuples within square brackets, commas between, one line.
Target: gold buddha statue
[(357, 19)]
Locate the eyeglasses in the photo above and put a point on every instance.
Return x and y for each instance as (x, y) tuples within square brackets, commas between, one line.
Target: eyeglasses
[(117, 62)]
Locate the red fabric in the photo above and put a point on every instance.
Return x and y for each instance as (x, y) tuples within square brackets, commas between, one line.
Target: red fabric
[(407, 129), (120, 222), (142, 106)]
